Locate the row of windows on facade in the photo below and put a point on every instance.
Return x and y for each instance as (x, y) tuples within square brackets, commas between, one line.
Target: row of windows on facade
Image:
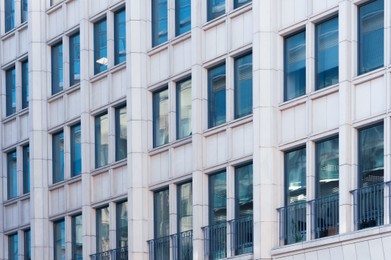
[(370, 50), (9, 9)]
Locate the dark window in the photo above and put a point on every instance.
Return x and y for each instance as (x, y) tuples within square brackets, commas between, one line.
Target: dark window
[(120, 134), (9, 15), (59, 240), (183, 106), (13, 247), (244, 191), (239, 3), (162, 225), (74, 59), (101, 140), (182, 16), (25, 84), (58, 157), (122, 225), (10, 91), (75, 150), (216, 96), (160, 117), (26, 169), (12, 177), (243, 88), (217, 198), (102, 230), (119, 37), (24, 11), (216, 8), (77, 237), (57, 68), (327, 167), (159, 22), (100, 46), (27, 244), (185, 207)]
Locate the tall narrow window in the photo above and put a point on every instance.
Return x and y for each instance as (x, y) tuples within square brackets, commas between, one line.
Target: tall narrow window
[(27, 245), (239, 3), (119, 37), (100, 46), (182, 16), (160, 118), (74, 59), (370, 36), (101, 140), (77, 237), (26, 169), (58, 157), (12, 177), (24, 11), (13, 247), (162, 225), (159, 22), (121, 136), (75, 150), (294, 66), (102, 230), (326, 53), (25, 84), (122, 226), (183, 112), (185, 221), (243, 88), (57, 68), (59, 240), (10, 91), (216, 96), (9, 15), (216, 8)]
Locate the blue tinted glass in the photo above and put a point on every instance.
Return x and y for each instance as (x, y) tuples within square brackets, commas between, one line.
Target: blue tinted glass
[(121, 135), (24, 10), (244, 190), (371, 36), (27, 245), (59, 240), (295, 176), (217, 198), (239, 3), (216, 8), (26, 169), (327, 53), (74, 59), (25, 84), (327, 167), (9, 15), (120, 36), (182, 16), (57, 72), (294, 66), (243, 86), (161, 214), (12, 178), (122, 225), (10, 92), (183, 113), (101, 140), (75, 150), (58, 157), (216, 96), (100, 46), (77, 239), (160, 118), (159, 22), (13, 247)]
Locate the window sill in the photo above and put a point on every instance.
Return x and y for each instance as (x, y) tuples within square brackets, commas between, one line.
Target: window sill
[(158, 48), (55, 7), (216, 21), (182, 37), (324, 91), (107, 167), (9, 118), (240, 10), (231, 124), (293, 102), (173, 144), (368, 76)]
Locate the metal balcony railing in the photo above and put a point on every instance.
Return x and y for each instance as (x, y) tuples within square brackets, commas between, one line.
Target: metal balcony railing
[(159, 248), (325, 213), (215, 241), (242, 235), (115, 254), (182, 244), (292, 223)]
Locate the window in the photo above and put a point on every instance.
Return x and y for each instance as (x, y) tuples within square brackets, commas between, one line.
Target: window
[(57, 72), (75, 150), (77, 237), (370, 36), (10, 91), (182, 16), (12, 177), (162, 225), (239, 3), (59, 239), (27, 244), (58, 157), (13, 247), (101, 140), (9, 15), (159, 22), (119, 37), (25, 84), (243, 89), (26, 169), (183, 113), (100, 46), (216, 8), (185, 221), (160, 117), (216, 96), (294, 66), (74, 59), (102, 229), (120, 134), (122, 226), (24, 11)]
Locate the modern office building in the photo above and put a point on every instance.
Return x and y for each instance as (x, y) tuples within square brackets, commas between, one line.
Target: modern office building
[(195, 129)]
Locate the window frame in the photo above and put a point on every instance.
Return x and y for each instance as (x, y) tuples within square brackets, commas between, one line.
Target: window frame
[(9, 15), (98, 233), (26, 168), (58, 176), (156, 40), (212, 121), (209, 6), (118, 208), (25, 83), (117, 115), (100, 50), (236, 190), (98, 145), (27, 244), (211, 219), (74, 129), (118, 59), (286, 179), (237, 85), (74, 244), (57, 67), (60, 222), (156, 115), (178, 9), (74, 58), (178, 88), (12, 175), (11, 246), (10, 84)]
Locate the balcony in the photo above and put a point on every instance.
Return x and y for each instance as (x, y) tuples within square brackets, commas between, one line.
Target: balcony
[(115, 254), (293, 223), (242, 235), (325, 212), (215, 240), (183, 245), (159, 248)]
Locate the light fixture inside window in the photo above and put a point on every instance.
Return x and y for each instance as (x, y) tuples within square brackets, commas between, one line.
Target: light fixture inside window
[(103, 61)]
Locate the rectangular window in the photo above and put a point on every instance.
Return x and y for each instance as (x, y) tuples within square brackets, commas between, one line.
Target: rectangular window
[(75, 150), (27, 245), (58, 157), (25, 84), (217, 198), (162, 224), (294, 66), (9, 15), (216, 8), (26, 169), (160, 117), (12, 177), (243, 88), (185, 221), (183, 108), (159, 22), (13, 247), (101, 140), (244, 191), (216, 96), (121, 136), (119, 37), (59, 240), (182, 16), (24, 11), (10, 91), (57, 69), (102, 230), (326, 53), (370, 36), (77, 237), (100, 46), (74, 59), (239, 3), (122, 226)]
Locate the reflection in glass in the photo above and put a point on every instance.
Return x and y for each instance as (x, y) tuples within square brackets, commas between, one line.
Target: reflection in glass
[(58, 157), (295, 174), (121, 135), (216, 8), (27, 245), (100, 46), (101, 140), (25, 84), (183, 97), (26, 169), (239, 3), (185, 207), (102, 230), (243, 89), (9, 15), (160, 118), (327, 167), (182, 16), (12, 177), (119, 37), (13, 247), (75, 150), (122, 225), (159, 22), (57, 68), (74, 59), (24, 10), (217, 198), (244, 191), (59, 240), (77, 237), (216, 96), (162, 225), (10, 91)]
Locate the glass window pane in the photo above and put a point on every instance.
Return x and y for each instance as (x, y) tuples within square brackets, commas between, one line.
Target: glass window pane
[(217, 198), (159, 22), (27, 245), (243, 86), (121, 135), (9, 15), (25, 84), (122, 225), (10, 92), (239, 3), (12, 177), (216, 96), (59, 240), (185, 207), (294, 66), (295, 176), (101, 140), (58, 157), (75, 150), (327, 167), (57, 71), (24, 11), (100, 46), (102, 230), (216, 8), (183, 113), (244, 190), (13, 247), (371, 36), (182, 16), (119, 36), (26, 169), (161, 213), (77, 237), (160, 118), (74, 59), (326, 53)]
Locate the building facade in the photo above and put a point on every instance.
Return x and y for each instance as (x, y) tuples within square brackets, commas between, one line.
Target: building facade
[(195, 129)]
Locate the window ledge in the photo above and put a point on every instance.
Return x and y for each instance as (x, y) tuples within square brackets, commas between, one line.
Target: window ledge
[(182, 37), (158, 48), (216, 21), (324, 91), (160, 149), (57, 185), (106, 168), (368, 76), (9, 118), (99, 76), (56, 96), (240, 10), (54, 7), (231, 124), (248, 256), (12, 201), (293, 102)]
